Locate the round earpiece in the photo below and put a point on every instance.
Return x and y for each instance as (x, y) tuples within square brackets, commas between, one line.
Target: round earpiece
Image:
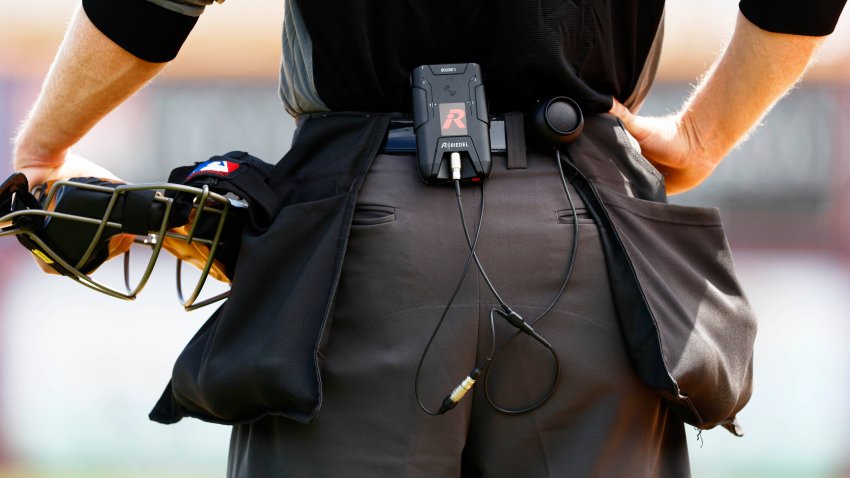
[(558, 120)]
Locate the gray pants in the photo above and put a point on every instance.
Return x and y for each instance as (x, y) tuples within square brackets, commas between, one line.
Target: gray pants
[(405, 256)]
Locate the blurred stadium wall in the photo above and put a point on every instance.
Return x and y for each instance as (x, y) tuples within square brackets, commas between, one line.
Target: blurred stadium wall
[(79, 371)]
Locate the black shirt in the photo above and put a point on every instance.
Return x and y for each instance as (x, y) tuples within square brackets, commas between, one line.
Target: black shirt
[(362, 51)]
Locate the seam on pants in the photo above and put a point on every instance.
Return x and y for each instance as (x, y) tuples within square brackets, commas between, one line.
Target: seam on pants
[(478, 281), (540, 441), (477, 322)]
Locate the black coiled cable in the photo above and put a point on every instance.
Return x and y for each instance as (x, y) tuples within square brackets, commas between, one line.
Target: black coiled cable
[(503, 310)]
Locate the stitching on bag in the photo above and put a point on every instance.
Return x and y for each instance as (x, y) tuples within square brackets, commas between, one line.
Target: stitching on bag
[(639, 157), (603, 179), (665, 221)]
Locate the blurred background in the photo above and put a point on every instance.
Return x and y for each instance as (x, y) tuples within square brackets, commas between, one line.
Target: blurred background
[(80, 371)]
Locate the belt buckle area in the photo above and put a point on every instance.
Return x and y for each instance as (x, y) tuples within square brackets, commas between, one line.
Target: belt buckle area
[(401, 138)]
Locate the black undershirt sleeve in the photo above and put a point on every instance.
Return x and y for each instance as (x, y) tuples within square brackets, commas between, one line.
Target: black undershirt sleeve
[(798, 17), (144, 29)]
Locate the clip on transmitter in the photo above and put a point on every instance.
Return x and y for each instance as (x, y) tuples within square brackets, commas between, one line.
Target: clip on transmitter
[(450, 116)]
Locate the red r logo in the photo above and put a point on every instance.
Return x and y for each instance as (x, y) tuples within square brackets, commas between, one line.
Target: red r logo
[(456, 116)]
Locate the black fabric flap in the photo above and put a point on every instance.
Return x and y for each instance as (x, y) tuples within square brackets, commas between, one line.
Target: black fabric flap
[(686, 323), (258, 355)]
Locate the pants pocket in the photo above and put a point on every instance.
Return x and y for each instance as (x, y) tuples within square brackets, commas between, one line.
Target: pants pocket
[(372, 215)]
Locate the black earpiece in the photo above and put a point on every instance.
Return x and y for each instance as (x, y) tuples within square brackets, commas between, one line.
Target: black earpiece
[(557, 120)]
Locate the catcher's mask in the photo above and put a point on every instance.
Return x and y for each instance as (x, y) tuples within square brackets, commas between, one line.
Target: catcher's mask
[(73, 226)]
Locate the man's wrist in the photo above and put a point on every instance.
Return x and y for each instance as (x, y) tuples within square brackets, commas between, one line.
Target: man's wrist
[(30, 153), (706, 144)]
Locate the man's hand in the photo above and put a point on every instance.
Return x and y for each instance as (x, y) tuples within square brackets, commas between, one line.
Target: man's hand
[(756, 69), (39, 171), (672, 145)]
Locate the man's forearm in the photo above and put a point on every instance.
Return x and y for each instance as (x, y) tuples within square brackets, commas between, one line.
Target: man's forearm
[(757, 69), (90, 76)]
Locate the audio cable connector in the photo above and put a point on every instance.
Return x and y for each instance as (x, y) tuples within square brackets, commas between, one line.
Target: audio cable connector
[(460, 391), (455, 165)]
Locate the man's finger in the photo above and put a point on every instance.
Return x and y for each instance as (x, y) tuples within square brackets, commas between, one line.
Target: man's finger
[(634, 124)]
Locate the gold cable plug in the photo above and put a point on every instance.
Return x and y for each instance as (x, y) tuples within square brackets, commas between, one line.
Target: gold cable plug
[(460, 391)]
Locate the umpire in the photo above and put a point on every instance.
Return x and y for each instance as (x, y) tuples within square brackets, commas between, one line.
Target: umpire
[(404, 245)]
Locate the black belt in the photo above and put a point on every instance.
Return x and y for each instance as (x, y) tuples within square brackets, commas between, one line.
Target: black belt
[(402, 139)]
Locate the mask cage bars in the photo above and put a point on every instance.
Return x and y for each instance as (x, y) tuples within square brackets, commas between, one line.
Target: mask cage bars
[(203, 196)]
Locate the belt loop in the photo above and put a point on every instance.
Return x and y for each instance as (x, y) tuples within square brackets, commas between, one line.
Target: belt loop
[(515, 139)]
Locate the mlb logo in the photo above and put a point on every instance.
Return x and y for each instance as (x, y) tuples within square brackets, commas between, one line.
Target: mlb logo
[(215, 168)]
